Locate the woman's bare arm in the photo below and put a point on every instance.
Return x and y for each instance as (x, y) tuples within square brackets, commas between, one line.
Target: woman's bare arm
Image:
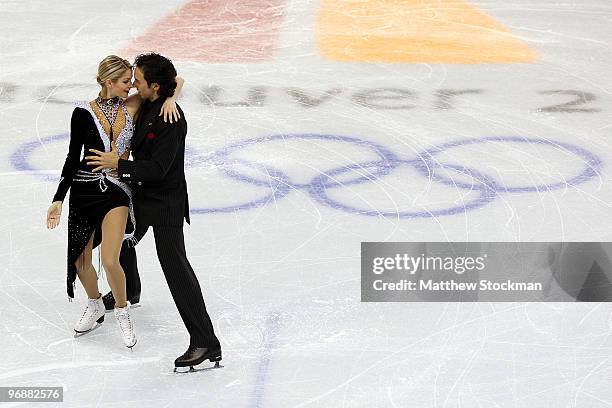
[(169, 110)]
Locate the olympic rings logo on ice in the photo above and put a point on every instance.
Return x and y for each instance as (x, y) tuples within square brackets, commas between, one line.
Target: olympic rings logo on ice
[(425, 163)]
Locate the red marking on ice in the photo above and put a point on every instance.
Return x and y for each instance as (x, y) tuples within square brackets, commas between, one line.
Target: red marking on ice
[(224, 31)]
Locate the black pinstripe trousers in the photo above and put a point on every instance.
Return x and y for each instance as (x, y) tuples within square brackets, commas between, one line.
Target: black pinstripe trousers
[(181, 279)]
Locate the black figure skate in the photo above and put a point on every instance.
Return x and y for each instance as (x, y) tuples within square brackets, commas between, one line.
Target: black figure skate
[(109, 301), (197, 355)]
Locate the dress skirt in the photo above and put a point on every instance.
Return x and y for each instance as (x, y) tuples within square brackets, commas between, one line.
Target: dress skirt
[(91, 198)]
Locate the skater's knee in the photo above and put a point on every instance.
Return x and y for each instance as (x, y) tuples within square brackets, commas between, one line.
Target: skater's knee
[(110, 262), (83, 264), (80, 267)]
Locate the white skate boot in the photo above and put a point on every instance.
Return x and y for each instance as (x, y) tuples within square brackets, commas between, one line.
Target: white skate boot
[(94, 312), (125, 325)]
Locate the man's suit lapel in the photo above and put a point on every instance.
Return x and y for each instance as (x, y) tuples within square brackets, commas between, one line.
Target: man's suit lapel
[(143, 125)]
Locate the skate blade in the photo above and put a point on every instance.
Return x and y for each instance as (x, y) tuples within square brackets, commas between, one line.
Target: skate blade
[(185, 370), (79, 334)]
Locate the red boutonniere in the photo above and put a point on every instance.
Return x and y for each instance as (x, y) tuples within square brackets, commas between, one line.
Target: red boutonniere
[(150, 136)]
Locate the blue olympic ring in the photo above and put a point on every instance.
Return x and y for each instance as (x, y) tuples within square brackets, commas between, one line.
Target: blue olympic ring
[(486, 186), (280, 183), (486, 194), (221, 157), (592, 163), (20, 157)]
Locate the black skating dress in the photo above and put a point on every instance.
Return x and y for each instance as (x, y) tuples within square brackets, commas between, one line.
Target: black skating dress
[(93, 195)]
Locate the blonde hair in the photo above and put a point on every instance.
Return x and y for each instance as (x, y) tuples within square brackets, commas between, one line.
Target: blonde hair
[(111, 67)]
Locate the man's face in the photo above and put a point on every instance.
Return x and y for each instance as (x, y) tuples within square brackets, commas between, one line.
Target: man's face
[(145, 91)]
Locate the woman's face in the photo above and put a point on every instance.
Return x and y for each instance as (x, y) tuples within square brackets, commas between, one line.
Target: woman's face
[(122, 86)]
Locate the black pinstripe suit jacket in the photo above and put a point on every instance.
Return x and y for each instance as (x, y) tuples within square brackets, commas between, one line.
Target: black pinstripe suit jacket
[(157, 173)]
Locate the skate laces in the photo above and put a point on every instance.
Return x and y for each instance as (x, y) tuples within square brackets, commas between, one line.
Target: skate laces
[(91, 305), (123, 316), (189, 351)]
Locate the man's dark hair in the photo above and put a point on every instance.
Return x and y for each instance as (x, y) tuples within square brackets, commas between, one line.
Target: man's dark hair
[(158, 69)]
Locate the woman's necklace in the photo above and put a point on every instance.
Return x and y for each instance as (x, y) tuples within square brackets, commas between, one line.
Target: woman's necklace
[(110, 108)]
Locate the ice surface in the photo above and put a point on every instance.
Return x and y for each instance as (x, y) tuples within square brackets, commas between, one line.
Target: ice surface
[(277, 260)]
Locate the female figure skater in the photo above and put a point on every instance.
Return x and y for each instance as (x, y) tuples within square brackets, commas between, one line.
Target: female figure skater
[(100, 206)]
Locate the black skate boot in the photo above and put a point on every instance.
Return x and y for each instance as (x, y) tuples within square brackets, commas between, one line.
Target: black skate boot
[(197, 355), (109, 301)]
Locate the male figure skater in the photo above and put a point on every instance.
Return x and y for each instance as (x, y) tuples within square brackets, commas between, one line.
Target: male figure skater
[(157, 175)]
